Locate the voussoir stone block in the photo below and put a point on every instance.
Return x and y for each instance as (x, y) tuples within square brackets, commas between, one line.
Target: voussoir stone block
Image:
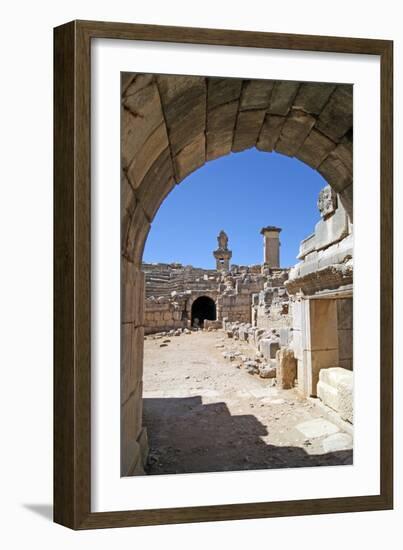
[(294, 132), (313, 96), (156, 184), (223, 90), (315, 149), (335, 172), (220, 129), (141, 115), (190, 157), (256, 94), (247, 129), (336, 118), (270, 132), (184, 105), (151, 149), (282, 97)]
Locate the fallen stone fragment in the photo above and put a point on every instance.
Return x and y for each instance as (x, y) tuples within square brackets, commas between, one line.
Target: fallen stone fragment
[(267, 371)]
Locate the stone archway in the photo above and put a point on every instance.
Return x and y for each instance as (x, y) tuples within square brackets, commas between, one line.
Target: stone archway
[(203, 308), (171, 126)]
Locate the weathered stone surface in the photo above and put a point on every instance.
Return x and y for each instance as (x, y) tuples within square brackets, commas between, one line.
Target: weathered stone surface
[(327, 201), (133, 294), (270, 132), (256, 94), (132, 83), (136, 236), (315, 149), (337, 174), (131, 418), (269, 347), (184, 105), (337, 442), (346, 199), (156, 184), (285, 336), (335, 389), (128, 203), (344, 151), (306, 246), (336, 118), (345, 314), (314, 277), (345, 346), (282, 97), (333, 376), (221, 123), (332, 229), (286, 368), (328, 394), (313, 96), (267, 371), (317, 428), (191, 157), (151, 149), (346, 402), (294, 132), (132, 359), (223, 90), (142, 114), (247, 129)]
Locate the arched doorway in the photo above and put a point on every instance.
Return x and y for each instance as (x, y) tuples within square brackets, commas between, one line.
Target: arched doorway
[(171, 126), (203, 308)]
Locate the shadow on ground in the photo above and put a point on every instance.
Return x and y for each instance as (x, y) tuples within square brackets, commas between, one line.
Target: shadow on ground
[(187, 436), (43, 510)]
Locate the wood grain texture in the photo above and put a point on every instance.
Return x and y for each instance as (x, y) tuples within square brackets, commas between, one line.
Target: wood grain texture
[(72, 255)]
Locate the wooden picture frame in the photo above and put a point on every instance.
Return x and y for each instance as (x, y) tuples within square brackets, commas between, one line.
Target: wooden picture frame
[(72, 270)]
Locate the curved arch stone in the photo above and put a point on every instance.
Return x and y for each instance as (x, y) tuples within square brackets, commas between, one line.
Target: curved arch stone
[(172, 125)]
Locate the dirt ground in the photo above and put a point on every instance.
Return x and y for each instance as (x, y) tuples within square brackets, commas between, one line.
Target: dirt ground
[(204, 413)]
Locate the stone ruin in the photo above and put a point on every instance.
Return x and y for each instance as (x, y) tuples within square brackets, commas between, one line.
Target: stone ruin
[(179, 297), (299, 320)]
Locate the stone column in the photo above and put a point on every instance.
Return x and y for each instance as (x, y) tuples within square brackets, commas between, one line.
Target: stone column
[(271, 250)]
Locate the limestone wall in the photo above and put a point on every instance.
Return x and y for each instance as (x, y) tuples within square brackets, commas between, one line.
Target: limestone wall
[(163, 315), (235, 307)]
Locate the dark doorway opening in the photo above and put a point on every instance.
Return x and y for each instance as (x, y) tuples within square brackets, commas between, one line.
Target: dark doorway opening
[(203, 308)]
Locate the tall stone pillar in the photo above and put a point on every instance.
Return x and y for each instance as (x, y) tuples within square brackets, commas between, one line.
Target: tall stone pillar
[(222, 254), (271, 250)]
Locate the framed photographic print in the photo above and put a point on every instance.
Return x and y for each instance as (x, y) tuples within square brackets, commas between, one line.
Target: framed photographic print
[(223, 300)]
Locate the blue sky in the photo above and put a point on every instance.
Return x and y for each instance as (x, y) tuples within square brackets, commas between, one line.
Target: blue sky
[(240, 193)]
